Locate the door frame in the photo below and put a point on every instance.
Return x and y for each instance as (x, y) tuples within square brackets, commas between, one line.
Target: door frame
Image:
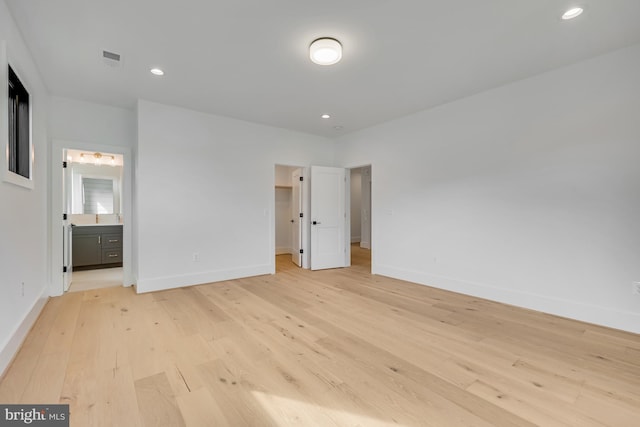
[(57, 209)]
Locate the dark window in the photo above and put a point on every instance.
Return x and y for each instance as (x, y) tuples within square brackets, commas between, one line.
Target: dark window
[(19, 144)]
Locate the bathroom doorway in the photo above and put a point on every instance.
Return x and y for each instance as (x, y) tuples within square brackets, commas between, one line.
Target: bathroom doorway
[(92, 196), (91, 230)]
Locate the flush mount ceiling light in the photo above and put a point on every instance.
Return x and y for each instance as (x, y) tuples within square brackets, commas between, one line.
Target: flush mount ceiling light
[(325, 51), (157, 72), (325, 116), (572, 13)]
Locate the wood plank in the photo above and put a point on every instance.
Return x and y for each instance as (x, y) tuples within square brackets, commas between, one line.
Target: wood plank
[(46, 382), (200, 409), (157, 403)]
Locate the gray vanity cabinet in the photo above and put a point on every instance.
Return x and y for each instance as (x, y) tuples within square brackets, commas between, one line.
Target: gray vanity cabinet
[(86, 249), (97, 246)]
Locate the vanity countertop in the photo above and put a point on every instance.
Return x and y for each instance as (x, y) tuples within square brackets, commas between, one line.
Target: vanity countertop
[(95, 225)]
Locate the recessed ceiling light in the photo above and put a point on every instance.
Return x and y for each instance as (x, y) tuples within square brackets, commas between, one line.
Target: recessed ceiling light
[(572, 13), (338, 127), (325, 116), (157, 72), (325, 51)]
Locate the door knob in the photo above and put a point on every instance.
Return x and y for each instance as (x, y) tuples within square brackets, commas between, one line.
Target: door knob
[(316, 223)]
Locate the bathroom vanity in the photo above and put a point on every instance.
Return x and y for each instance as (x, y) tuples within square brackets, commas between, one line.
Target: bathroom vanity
[(96, 246)]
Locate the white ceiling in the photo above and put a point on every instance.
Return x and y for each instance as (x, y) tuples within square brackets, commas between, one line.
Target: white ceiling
[(248, 59)]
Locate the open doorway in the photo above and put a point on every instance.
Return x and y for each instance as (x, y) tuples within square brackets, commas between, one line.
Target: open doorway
[(360, 200), (91, 202), (291, 228), (93, 224), (312, 216)]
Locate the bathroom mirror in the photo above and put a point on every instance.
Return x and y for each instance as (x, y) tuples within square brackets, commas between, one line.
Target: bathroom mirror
[(97, 196), (95, 189)]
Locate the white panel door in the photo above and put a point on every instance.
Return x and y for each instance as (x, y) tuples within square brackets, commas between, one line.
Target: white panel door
[(328, 217), (296, 220), (67, 249)]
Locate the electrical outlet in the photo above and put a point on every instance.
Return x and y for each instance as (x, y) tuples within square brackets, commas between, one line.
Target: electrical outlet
[(196, 257), (635, 288)]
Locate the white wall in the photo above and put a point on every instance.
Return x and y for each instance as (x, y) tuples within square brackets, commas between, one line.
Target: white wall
[(23, 216), (356, 201), (85, 122), (527, 194), (221, 188)]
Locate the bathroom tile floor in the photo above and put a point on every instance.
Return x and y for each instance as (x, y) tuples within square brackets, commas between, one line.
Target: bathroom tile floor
[(96, 279)]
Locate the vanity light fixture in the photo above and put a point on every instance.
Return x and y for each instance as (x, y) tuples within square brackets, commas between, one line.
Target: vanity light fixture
[(325, 51), (572, 13), (97, 158)]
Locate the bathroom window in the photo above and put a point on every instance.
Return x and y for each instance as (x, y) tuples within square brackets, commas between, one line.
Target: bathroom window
[(19, 149)]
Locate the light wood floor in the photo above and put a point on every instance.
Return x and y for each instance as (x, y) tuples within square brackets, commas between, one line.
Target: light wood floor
[(328, 348)]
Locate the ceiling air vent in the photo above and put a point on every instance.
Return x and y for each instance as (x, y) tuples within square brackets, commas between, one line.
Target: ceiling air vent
[(110, 58)]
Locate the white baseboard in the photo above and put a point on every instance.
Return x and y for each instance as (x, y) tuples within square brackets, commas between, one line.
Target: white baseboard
[(355, 239), (12, 346), (181, 281), (283, 251), (617, 319), (365, 245)]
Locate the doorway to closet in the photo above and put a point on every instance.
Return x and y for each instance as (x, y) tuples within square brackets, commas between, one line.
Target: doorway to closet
[(360, 224), (291, 204), (312, 216)]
